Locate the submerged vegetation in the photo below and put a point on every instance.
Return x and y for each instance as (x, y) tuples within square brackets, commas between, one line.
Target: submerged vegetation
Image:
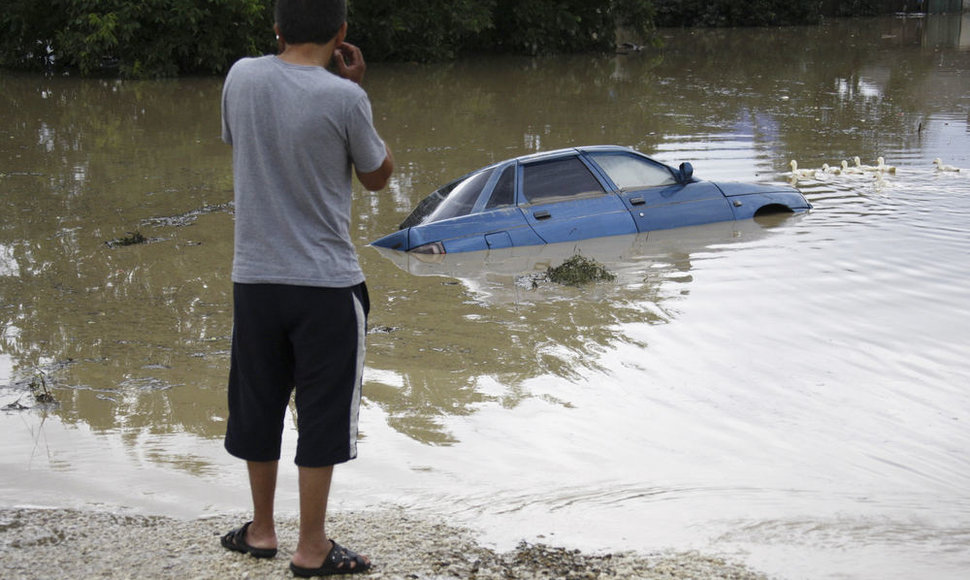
[(577, 271), (131, 239), (165, 38), (41, 393)]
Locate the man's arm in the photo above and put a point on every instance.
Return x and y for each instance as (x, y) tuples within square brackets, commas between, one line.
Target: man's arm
[(350, 65), (377, 179)]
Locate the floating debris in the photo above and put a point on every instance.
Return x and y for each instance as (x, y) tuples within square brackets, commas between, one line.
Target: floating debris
[(131, 239), (15, 406), (188, 218), (382, 330), (577, 271), (38, 390)]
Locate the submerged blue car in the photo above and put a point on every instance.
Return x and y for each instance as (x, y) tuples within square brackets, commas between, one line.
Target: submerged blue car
[(575, 194)]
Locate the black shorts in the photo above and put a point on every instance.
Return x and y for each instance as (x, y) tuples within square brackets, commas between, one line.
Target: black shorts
[(304, 338)]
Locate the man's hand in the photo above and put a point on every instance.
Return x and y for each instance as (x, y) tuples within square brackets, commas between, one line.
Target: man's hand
[(350, 62)]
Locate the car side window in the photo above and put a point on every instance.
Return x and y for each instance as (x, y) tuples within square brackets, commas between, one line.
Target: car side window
[(504, 192), (461, 199), (558, 180), (631, 172)]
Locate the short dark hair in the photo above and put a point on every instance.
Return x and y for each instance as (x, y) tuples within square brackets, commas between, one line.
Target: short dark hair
[(316, 21)]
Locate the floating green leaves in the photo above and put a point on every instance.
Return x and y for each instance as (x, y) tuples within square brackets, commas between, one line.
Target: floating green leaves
[(577, 271)]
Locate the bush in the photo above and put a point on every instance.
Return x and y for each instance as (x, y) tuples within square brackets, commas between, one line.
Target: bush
[(436, 30), (564, 26), (152, 38), (712, 13), (416, 30), (542, 26), (145, 38), (27, 31)]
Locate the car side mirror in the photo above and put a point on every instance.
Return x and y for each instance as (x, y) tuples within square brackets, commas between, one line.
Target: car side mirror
[(686, 172)]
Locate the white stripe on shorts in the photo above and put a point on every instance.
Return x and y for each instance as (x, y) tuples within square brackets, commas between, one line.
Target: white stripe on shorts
[(359, 377)]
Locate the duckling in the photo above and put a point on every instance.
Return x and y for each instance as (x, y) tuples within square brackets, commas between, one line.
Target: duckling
[(801, 173), (847, 170), (858, 164), (941, 167), (881, 166), (826, 168)]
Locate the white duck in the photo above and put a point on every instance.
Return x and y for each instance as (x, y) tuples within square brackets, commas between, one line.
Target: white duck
[(881, 166), (941, 167), (801, 173), (861, 167), (846, 169)]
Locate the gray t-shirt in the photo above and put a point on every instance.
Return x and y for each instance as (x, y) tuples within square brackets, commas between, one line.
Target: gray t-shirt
[(296, 131)]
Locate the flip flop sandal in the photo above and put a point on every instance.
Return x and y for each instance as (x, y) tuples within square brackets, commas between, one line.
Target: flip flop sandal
[(340, 560), (236, 541)]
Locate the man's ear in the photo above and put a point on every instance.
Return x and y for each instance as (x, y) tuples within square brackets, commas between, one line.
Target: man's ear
[(342, 33), (280, 41)]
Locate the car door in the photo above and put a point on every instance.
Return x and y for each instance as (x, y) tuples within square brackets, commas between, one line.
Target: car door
[(563, 201), (656, 199), (677, 206)]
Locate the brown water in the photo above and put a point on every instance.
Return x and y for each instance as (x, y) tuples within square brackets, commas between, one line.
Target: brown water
[(793, 393)]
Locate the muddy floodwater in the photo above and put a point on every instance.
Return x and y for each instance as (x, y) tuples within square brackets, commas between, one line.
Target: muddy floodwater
[(794, 393)]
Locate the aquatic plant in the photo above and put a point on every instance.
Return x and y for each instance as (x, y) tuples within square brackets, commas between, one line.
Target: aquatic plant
[(131, 239), (577, 271), (39, 391)]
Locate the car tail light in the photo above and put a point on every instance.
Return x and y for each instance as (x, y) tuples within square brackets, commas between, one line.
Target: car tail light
[(430, 248)]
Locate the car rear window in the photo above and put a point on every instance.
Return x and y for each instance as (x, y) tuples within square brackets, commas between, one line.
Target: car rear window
[(631, 172), (558, 180), (452, 200)]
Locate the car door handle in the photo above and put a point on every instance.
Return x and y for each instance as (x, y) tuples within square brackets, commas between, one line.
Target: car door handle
[(637, 201), (542, 215)]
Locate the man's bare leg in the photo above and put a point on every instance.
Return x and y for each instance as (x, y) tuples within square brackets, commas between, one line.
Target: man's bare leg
[(314, 545), (262, 483)]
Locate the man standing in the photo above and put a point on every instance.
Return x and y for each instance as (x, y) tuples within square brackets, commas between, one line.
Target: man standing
[(298, 132)]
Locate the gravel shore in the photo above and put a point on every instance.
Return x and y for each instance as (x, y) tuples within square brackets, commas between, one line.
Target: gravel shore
[(42, 543)]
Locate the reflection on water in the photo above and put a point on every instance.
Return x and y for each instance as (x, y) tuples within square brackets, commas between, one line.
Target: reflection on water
[(795, 391), (511, 325)]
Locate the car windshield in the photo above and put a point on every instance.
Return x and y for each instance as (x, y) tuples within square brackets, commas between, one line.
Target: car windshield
[(453, 200), (632, 172)]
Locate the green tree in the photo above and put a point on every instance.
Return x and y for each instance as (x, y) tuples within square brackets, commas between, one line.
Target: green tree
[(435, 30), (152, 38), (144, 38), (714, 13), (552, 26), (27, 31), (709, 13), (417, 30)]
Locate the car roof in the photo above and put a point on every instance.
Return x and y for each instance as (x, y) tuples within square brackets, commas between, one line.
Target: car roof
[(552, 155), (547, 155), (572, 150)]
